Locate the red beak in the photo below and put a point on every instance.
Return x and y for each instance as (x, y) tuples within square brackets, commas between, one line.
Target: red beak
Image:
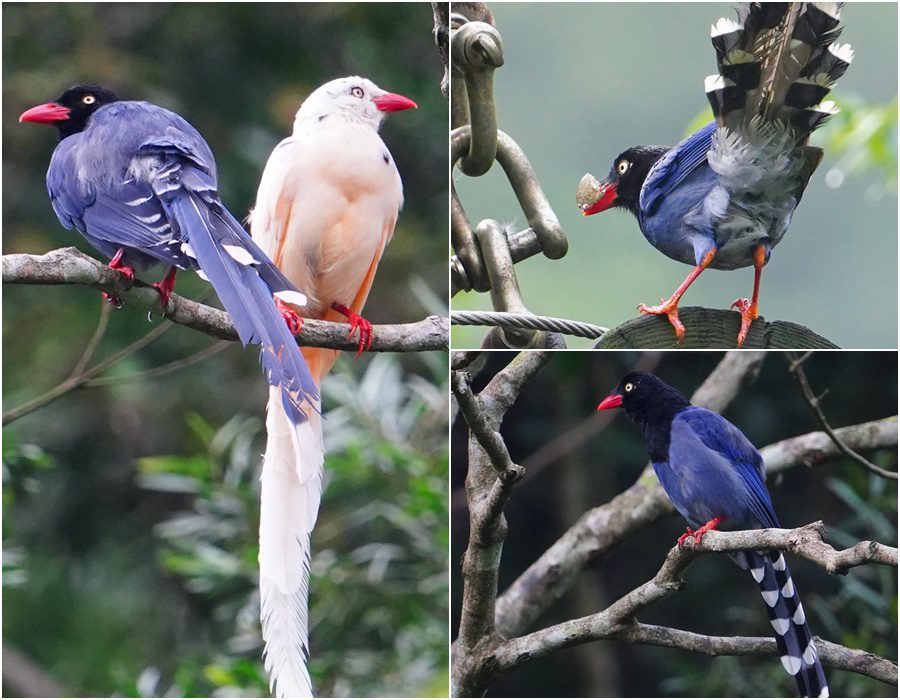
[(607, 199), (45, 114), (611, 401), (392, 102)]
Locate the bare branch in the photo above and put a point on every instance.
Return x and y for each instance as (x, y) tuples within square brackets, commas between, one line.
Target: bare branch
[(617, 621), (796, 368), (70, 266), (489, 480)]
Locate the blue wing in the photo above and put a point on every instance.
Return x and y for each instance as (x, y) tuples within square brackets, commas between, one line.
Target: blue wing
[(141, 178), (679, 162), (731, 450)]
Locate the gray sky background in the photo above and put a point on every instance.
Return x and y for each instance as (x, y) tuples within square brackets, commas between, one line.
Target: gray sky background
[(583, 82)]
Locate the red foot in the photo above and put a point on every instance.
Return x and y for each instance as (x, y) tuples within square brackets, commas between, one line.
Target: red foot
[(699, 532), (357, 322), (749, 313), (669, 308), (293, 320), (128, 271), (165, 287)]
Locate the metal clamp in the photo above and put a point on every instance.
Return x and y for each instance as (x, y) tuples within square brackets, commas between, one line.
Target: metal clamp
[(486, 255)]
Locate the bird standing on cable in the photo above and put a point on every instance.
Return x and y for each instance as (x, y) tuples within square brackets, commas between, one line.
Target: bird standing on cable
[(713, 474), (326, 208), (724, 197), (139, 183)]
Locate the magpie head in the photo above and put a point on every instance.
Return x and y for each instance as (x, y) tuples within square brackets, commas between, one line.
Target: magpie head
[(622, 187), (351, 99), (645, 398), (70, 112)]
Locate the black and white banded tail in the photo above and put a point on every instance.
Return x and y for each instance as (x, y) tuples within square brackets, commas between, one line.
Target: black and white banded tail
[(777, 63), (795, 643)]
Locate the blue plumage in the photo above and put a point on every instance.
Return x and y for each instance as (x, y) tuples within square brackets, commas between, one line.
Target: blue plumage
[(712, 473), (138, 181), (724, 197)]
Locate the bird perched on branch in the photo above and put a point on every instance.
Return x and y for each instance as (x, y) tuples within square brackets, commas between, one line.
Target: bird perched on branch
[(139, 183), (713, 474), (326, 208), (724, 197)]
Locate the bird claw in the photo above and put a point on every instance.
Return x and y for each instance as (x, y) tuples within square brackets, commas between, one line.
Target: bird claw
[(681, 540), (293, 320), (749, 313), (125, 270), (668, 308), (115, 301), (357, 323), (697, 534), (165, 287)]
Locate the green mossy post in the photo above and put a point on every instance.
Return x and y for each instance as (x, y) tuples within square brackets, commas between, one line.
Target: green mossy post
[(707, 329)]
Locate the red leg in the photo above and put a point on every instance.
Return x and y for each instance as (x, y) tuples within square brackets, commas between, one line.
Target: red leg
[(165, 287), (750, 309), (357, 322), (669, 307), (699, 532), (293, 320), (128, 271)]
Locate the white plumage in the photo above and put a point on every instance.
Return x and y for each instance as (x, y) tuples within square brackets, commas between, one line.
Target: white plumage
[(325, 210)]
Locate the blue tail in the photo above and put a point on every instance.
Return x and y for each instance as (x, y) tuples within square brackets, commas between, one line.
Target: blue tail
[(245, 283), (795, 644)]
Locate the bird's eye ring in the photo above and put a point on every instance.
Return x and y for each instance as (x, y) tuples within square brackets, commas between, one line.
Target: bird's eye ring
[(88, 99), (629, 386), (623, 167), (356, 91)]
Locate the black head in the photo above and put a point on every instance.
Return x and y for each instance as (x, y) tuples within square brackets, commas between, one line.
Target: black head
[(649, 402), (70, 111), (622, 187)]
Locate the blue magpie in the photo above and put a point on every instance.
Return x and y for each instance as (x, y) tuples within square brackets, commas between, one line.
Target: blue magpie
[(724, 197), (713, 474), (139, 183)]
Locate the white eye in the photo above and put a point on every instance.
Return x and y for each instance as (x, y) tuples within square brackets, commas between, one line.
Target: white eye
[(629, 387), (88, 99), (356, 91), (623, 166)]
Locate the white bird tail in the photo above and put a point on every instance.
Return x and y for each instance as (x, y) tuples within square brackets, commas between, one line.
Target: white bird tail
[(291, 491)]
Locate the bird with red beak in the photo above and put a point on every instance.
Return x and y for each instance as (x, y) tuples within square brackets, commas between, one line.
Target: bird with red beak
[(325, 210)]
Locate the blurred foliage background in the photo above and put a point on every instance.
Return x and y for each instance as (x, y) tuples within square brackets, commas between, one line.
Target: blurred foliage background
[(131, 508), (583, 82), (573, 464)]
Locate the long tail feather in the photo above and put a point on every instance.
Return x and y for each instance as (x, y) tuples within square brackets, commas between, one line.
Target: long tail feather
[(291, 490), (795, 643), (235, 273), (777, 63)]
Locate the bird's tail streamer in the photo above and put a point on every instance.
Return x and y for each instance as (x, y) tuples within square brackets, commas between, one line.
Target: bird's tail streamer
[(291, 491), (777, 63), (239, 275), (795, 643)]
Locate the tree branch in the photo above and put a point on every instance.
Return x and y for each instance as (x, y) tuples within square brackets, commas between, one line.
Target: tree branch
[(795, 366), (71, 266), (489, 481), (616, 622)]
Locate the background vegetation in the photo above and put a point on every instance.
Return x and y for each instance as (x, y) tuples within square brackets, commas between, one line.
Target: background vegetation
[(130, 509), (583, 82), (566, 476)]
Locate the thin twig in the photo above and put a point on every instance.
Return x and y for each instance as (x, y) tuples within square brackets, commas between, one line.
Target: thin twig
[(91, 347), (167, 368), (75, 381), (795, 365)]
